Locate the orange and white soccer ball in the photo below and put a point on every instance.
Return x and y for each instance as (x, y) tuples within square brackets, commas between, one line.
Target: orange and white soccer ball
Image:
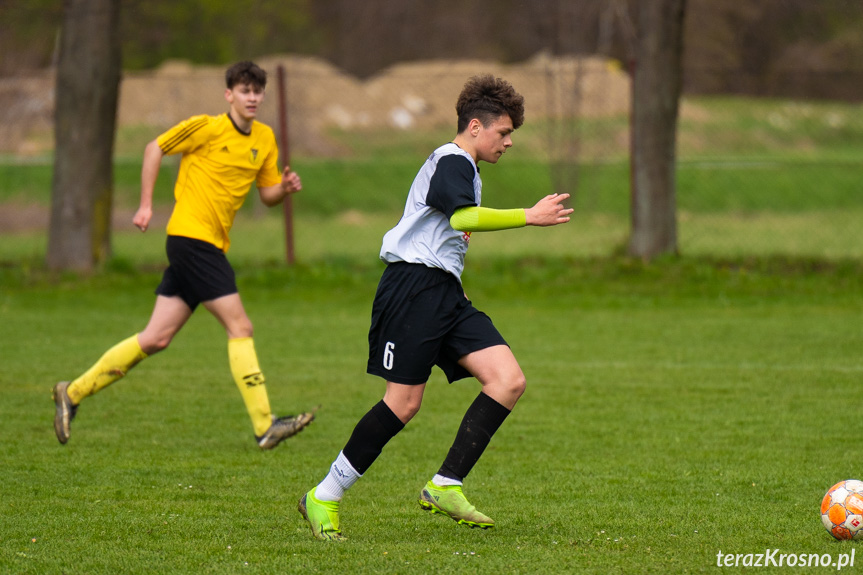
[(842, 510)]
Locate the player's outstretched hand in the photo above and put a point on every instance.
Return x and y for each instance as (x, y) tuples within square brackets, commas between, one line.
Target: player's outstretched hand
[(549, 211), (142, 218)]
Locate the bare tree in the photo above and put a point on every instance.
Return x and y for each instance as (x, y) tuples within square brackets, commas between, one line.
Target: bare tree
[(656, 92), (87, 86)]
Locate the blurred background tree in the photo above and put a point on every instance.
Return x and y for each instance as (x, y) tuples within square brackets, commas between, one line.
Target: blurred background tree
[(794, 48), (88, 83)]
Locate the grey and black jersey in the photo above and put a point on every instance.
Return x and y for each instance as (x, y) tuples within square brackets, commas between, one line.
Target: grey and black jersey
[(448, 180)]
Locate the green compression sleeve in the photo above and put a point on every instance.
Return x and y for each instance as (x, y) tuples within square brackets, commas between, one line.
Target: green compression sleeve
[(479, 219)]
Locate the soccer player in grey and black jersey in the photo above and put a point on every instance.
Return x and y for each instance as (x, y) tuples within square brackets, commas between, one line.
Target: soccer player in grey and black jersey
[(421, 316)]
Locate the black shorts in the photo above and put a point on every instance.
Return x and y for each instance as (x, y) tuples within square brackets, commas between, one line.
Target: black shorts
[(197, 271), (421, 318)]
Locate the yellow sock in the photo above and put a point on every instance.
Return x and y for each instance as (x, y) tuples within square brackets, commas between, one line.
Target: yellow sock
[(249, 379), (113, 365)]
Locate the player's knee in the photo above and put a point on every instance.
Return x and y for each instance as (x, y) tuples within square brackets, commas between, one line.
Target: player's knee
[(403, 400), (405, 408), (517, 385), (409, 409), (241, 329), (506, 389), (511, 386), (151, 345)]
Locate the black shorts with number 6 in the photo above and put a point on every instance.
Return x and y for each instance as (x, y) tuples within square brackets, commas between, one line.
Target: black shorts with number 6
[(421, 318)]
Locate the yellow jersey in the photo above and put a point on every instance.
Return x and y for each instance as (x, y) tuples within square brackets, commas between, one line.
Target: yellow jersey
[(218, 167)]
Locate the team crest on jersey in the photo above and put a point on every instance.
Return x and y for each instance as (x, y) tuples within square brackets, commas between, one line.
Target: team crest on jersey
[(254, 155), (466, 237)]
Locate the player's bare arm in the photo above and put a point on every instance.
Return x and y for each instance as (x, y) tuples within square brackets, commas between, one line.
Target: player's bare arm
[(149, 172), (549, 211), (290, 184)]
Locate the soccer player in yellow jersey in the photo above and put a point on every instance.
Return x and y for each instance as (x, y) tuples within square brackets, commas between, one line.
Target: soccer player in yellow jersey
[(222, 156)]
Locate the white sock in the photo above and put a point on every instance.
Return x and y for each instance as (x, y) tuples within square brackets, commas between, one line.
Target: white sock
[(442, 481), (340, 478)]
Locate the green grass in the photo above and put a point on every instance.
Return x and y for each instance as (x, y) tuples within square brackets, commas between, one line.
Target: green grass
[(755, 127), (673, 410)]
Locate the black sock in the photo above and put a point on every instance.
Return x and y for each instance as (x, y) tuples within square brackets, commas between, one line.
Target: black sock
[(480, 422), (370, 435)]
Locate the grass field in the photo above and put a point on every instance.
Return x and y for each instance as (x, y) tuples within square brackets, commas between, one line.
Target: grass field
[(675, 410)]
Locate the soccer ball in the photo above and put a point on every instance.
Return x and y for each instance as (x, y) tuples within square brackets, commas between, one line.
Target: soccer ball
[(842, 510)]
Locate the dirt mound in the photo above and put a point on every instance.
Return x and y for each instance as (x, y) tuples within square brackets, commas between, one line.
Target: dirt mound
[(321, 97)]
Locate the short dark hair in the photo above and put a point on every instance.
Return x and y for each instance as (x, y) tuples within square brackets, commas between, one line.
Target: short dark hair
[(246, 73), (486, 98)]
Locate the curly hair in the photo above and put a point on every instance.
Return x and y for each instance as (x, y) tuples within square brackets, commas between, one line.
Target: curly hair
[(486, 98), (246, 73)]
